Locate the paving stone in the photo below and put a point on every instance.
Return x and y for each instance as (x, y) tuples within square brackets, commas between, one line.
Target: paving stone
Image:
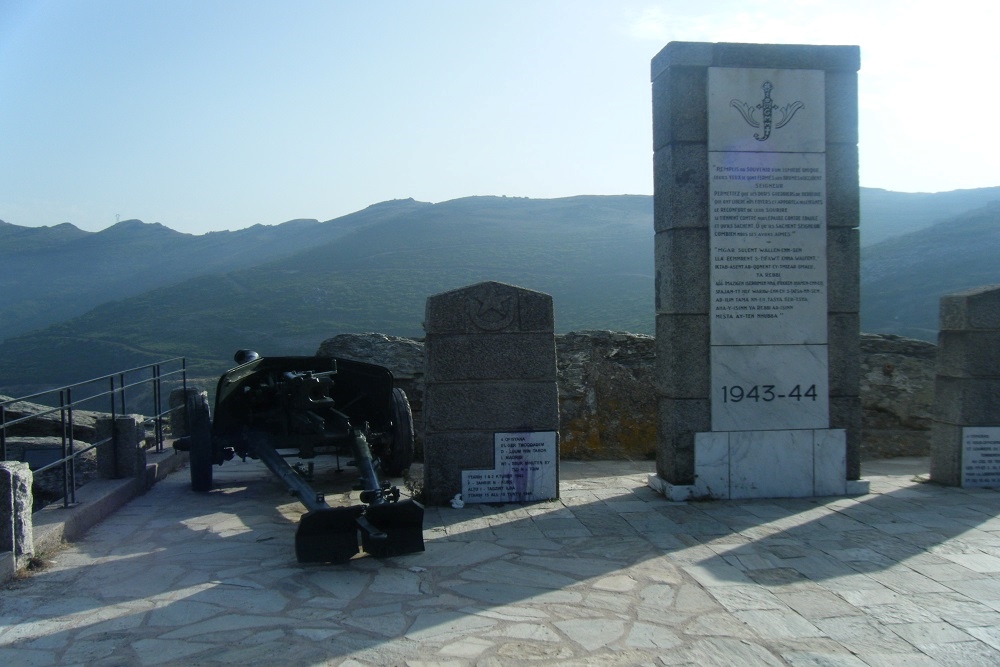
[(796, 582)]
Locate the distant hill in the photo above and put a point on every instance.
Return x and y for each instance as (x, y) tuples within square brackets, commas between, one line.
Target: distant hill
[(49, 274), (903, 279), (137, 293), (886, 214), (592, 254)]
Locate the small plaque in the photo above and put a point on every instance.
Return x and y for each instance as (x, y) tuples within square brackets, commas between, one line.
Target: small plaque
[(981, 456), (525, 469)]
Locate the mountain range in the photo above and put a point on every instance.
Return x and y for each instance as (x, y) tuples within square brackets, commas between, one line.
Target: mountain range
[(82, 304)]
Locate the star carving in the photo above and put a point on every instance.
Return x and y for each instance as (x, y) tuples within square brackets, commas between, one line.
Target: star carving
[(493, 310)]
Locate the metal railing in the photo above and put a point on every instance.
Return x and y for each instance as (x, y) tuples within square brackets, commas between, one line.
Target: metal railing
[(141, 387)]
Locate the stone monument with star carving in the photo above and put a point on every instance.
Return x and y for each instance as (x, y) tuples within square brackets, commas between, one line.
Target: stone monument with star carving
[(491, 405)]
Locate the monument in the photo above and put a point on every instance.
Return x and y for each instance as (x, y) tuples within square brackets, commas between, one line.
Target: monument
[(757, 281), (491, 405), (965, 435)]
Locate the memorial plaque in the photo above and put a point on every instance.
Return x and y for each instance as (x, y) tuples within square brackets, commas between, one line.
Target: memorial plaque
[(981, 456), (767, 219), (525, 469), (768, 244)]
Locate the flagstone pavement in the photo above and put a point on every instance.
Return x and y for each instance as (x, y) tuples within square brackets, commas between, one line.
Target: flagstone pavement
[(611, 573)]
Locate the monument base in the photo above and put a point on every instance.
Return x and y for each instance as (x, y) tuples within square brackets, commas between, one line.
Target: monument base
[(682, 492), (767, 464)]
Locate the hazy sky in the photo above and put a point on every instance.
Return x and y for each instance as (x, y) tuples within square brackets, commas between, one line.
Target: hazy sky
[(212, 114)]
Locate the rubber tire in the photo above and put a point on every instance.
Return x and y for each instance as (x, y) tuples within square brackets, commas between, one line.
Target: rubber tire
[(401, 454), (200, 457)]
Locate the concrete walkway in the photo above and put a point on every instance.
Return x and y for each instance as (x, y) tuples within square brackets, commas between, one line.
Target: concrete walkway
[(610, 574)]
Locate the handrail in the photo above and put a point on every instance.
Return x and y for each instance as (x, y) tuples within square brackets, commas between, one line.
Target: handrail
[(115, 391)]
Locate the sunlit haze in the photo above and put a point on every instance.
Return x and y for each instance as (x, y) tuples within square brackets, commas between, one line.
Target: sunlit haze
[(209, 114)]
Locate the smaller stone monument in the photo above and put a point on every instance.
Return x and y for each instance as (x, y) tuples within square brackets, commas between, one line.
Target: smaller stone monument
[(491, 408), (965, 435)]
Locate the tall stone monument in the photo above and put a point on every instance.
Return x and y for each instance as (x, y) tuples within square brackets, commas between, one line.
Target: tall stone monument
[(757, 281), (965, 435), (491, 404)]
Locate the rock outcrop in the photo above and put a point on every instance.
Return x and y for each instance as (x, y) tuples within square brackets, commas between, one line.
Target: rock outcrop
[(607, 398)]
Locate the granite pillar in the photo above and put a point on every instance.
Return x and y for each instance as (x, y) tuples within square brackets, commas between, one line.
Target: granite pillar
[(965, 434), (757, 269)]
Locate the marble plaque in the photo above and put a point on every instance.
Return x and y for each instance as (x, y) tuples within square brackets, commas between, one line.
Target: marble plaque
[(711, 465), (525, 469), (771, 464), (768, 248), (830, 462), (766, 110), (769, 387), (981, 456)]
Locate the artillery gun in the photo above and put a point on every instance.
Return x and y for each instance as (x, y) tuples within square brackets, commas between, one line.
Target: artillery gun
[(314, 406)]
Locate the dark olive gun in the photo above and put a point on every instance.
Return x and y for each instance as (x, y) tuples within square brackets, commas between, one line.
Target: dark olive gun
[(315, 406)]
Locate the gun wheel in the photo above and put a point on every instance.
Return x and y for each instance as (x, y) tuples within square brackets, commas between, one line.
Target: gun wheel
[(200, 430), (401, 455)]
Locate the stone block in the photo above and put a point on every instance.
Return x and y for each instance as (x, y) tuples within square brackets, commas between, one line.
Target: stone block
[(771, 464), (680, 175), (682, 354), (977, 308), (829, 462), (845, 413), (489, 307), (967, 401), (449, 455), (788, 56), (123, 455), (844, 354), (843, 192), (679, 106), (969, 354), (498, 357), (682, 54), (678, 420), (15, 509), (492, 406), (843, 269), (946, 454), (712, 465), (682, 268), (842, 107)]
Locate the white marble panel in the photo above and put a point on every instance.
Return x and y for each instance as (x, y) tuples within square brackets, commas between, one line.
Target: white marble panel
[(772, 110), (711, 464), (830, 462), (768, 271), (769, 387), (771, 464)]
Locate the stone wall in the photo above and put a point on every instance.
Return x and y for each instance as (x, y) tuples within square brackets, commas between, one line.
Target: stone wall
[(607, 401), (897, 396)]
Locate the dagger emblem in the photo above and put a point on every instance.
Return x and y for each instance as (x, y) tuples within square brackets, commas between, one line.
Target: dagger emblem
[(767, 107)]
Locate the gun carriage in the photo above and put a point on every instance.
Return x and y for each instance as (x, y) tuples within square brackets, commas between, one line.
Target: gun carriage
[(314, 406)]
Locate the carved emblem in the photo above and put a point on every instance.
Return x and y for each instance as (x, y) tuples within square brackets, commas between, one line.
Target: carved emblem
[(492, 310), (767, 107)]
